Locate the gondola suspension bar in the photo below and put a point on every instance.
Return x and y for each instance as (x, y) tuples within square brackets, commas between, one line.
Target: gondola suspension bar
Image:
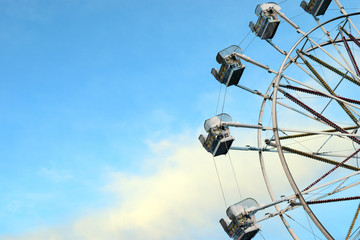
[(242, 125)]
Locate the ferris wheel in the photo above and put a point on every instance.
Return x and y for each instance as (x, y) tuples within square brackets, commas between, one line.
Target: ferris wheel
[(313, 103)]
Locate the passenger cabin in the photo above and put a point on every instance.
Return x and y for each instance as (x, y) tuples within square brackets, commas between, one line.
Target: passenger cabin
[(267, 23), (219, 140), (240, 224), (316, 7), (231, 68)]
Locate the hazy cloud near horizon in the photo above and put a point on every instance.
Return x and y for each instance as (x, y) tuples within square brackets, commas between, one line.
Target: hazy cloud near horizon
[(179, 199)]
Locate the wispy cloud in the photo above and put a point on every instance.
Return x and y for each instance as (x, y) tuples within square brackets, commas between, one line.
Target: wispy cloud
[(177, 198), (55, 175)]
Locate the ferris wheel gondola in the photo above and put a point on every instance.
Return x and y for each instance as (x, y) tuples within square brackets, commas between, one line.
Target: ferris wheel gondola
[(219, 140), (267, 22), (316, 7), (231, 68)]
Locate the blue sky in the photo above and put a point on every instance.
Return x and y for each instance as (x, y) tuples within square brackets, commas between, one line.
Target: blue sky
[(100, 101)]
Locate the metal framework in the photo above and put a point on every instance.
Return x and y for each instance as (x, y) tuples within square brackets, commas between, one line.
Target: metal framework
[(331, 115)]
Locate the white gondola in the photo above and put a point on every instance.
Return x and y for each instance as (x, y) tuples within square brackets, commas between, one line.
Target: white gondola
[(316, 7), (240, 223), (231, 68), (219, 139), (268, 22)]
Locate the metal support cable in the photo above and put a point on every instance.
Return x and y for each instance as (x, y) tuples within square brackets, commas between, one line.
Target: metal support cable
[(327, 87), (332, 41), (312, 111), (300, 224), (217, 104), (337, 85), (317, 93), (312, 134), (312, 231), (315, 157), (357, 235), (222, 109), (236, 180), (333, 169), (244, 38), (247, 59), (221, 187), (333, 69), (326, 52)]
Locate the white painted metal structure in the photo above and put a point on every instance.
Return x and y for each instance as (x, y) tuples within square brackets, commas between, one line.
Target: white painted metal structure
[(317, 86)]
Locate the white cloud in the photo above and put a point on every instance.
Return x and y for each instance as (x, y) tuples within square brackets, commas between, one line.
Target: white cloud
[(55, 175), (177, 198)]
